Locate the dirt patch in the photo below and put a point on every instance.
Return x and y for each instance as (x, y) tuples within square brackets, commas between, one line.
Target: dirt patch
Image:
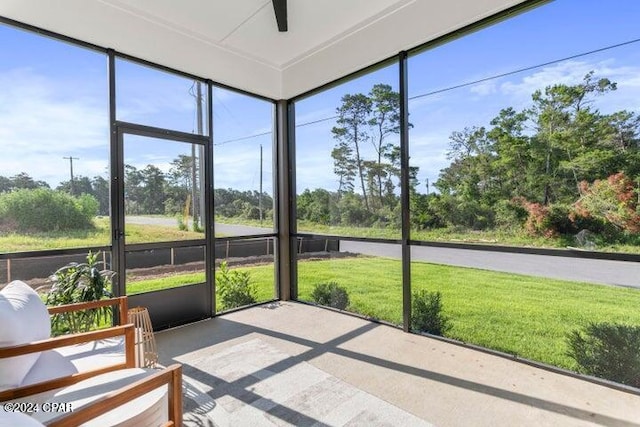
[(43, 285)]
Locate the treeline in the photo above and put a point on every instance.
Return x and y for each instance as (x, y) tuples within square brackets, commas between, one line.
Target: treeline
[(97, 187), (558, 166), (366, 160), (151, 191), (148, 191)]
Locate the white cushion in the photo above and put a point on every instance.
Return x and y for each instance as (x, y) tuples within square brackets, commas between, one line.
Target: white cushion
[(49, 365), (71, 359), (150, 409), (13, 419), (23, 318)]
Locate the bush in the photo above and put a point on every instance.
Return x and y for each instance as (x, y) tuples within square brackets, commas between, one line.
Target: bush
[(43, 209), (469, 214), (510, 215), (426, 313), (234, 287), (182, 224), (330, 294), (610, 351), (559, 220), (76, 283)]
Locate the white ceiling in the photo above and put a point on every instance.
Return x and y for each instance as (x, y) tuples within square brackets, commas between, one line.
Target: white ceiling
[(236, 42)]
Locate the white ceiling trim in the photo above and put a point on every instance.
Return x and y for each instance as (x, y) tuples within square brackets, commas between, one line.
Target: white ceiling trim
[(351, 54), (243, 23), (235, 42), (179, 29), (338, 38)]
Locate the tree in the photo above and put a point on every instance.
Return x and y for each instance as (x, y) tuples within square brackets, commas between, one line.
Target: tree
[(385, 121), (537, 158), (132, 190), (374, 118), (568, 129), (6, 184), (179, 184), (352, 131), (81, 185), (24, 181), (100, 190), (613, 200), (153, 195), (513, 160), (344, 166)]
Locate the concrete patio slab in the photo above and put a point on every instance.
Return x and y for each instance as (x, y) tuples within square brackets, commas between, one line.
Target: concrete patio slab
[(288, 363)]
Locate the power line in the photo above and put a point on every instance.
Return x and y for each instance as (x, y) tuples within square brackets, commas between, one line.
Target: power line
[(228, 141), (269, 132), (317, 121), (471, 83), (520, 70)]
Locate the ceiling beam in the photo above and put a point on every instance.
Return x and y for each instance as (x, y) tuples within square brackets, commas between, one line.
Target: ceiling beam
[(280, 8)]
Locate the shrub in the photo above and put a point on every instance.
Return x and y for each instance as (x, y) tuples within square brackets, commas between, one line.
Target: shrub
[(182, 225), (234, 287), (509, 214), (197, 227), (76, 283), (559, 219), (613, 201), (43, 209), (426, 313), (540, 221), (330, 294), (607, 350)]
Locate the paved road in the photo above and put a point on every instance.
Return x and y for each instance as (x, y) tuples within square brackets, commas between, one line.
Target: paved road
[(617, 273), (221, 229)]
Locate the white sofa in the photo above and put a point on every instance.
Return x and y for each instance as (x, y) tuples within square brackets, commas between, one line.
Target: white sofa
[(25, 319), (92, 372)]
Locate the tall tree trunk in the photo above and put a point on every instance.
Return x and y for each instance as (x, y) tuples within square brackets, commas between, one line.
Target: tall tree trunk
[(547, 187), (360, 169)]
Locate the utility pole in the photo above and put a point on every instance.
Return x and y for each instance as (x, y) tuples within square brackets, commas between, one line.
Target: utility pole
[(260, 195), (427, 186), (194, 189), (71, 159)]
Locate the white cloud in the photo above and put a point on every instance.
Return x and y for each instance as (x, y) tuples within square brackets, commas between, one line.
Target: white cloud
[(572, 72), (485, 88), (41, 122)]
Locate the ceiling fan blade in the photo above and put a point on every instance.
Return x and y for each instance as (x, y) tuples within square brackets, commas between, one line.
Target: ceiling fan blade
[(280, 8)]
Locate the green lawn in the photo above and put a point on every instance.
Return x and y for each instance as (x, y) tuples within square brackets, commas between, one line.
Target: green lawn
[(490, 237), (137, 233), (262, 277), (100, 236), (522, 315)]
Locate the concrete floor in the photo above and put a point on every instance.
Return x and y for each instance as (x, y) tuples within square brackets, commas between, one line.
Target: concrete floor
[(440, 383)]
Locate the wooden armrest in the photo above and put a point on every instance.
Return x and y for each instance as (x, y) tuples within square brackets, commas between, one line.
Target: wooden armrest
[(171, 376), (121, 302), (65, 340), (129, 350)]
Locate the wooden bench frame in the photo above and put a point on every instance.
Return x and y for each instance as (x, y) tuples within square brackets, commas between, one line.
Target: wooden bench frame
[(171, 376)]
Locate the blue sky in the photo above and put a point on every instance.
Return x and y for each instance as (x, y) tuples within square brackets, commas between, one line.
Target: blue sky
[(53, 97), (560, 29)]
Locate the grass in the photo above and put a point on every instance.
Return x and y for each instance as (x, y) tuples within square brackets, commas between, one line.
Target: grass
[(526, 316), (99, 236), (516, 238), (138, 233), (262, 276), (265, 223), (522, 315)]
